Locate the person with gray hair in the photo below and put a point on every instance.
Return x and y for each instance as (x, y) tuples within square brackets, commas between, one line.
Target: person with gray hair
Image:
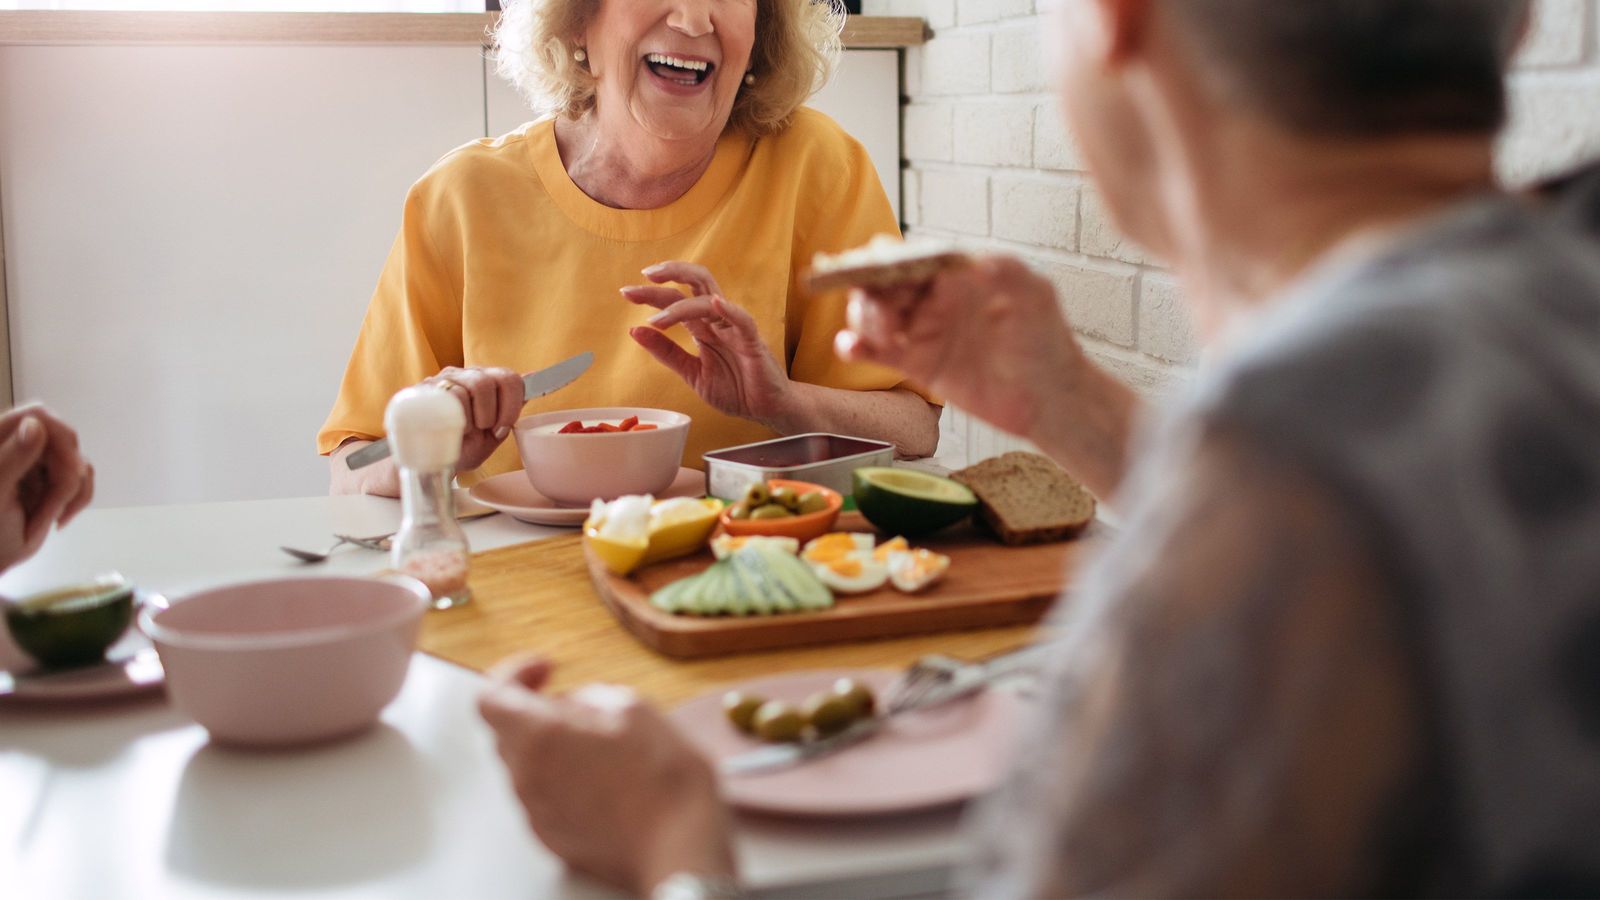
[(1347, 639)]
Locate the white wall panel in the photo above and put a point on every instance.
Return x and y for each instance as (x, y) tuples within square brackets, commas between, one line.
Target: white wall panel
[(192, 235)]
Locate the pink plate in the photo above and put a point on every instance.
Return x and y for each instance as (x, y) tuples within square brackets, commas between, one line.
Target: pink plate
[(511, 494), (919, 761), (131, 667)]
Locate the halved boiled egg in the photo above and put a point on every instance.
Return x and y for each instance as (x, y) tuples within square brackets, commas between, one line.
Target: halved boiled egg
[(723, 545), (854, 573), (894, 545), (913, 570), (837, 545)]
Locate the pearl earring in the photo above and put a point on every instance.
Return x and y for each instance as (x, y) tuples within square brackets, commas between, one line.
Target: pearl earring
[(580, 55), (749, 79)]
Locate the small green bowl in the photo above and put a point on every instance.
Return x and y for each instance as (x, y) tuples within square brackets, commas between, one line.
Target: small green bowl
[(72, 626)]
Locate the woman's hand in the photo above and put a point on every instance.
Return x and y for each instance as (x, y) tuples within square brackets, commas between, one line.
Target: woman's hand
[(493, 401), (990, 338), (734, 372), (44, 480), (608, 784)]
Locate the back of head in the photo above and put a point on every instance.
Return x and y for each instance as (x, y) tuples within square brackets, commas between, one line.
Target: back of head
[(1360, 68)]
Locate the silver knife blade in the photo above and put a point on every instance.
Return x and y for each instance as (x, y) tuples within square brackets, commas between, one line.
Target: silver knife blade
[(782, 756), (534, 384)]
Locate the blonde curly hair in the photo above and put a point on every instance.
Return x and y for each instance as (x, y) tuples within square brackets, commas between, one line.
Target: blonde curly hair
[(796, 46)]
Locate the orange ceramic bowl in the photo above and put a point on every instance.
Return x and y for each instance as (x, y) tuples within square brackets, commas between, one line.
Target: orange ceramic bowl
[(801, 528)]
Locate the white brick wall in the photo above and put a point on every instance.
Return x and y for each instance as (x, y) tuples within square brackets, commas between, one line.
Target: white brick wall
[(990, 165), (1035, 209)]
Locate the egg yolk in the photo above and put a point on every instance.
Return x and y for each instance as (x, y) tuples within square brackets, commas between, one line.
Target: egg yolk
[(831, 547), (882, 553), (849, 568)]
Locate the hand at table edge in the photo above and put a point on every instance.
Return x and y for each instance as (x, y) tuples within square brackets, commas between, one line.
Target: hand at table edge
[(607, 782)]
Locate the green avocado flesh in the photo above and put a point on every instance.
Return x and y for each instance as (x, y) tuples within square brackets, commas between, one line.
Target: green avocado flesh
[(72, 627), (910, 503)]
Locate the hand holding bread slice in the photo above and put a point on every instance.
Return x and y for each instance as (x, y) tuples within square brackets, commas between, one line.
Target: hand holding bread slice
[(884, 262)]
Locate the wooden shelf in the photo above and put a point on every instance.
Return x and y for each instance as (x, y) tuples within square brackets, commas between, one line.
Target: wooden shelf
[(884, 31), (94, 27)]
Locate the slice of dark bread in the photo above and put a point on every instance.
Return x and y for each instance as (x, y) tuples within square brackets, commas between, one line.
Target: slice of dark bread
[(1025, 498)]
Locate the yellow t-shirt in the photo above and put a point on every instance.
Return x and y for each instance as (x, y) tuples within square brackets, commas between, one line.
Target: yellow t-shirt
[(502, 261)]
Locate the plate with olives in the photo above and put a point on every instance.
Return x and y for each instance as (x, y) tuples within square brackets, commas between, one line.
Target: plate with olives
[(781, 508), (918, 760)]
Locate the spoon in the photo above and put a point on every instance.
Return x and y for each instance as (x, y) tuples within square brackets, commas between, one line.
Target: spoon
[(381, 542)]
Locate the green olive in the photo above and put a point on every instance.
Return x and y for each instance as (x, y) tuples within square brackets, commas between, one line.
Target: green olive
[(757, 495), (857, 694), (741, 709), (771, 511), (776, 720), (740, 510), (786, 498), (828, 713), (812, 502)]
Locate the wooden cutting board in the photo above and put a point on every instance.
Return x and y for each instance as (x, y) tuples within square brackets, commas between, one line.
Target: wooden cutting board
[(989, 585), (538, 598)]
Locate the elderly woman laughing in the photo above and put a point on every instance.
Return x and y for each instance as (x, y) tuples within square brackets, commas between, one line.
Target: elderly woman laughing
[(677, 149)]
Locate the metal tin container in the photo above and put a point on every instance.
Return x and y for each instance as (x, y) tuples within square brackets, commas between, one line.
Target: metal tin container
[(825, 459)]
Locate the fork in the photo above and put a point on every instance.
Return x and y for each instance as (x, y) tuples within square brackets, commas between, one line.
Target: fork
[(934, 671), (381, 542), (919, 680)]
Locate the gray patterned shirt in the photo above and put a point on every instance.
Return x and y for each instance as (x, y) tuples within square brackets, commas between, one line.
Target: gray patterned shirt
[(1448, 392)]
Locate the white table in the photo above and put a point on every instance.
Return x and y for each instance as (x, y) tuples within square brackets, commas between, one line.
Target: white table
[(130, 800)]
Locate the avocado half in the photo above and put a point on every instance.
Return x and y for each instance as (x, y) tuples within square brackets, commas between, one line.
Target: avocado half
[(908, 502), (72, 626)]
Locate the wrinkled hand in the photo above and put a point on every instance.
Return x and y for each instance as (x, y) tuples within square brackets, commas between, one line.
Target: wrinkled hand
[(734, 371), (608, 784), (492, 399), (44, 480), (988, 337)]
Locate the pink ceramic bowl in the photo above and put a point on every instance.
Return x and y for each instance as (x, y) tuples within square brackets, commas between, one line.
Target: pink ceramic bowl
[(288, 660), (576, 469)]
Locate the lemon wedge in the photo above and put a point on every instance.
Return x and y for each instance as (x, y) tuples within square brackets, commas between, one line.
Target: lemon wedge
[(620, 557), (682, 530), (673, 528)]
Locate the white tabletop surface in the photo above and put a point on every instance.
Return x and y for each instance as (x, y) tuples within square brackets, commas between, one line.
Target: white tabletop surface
[(128, 799)]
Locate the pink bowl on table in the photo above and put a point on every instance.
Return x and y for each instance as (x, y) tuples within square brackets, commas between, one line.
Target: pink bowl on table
[(288, 660), (576, 469)]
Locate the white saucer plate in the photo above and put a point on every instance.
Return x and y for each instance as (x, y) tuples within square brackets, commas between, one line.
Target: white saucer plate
[(511, 494)]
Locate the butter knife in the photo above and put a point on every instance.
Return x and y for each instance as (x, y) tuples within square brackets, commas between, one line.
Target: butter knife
[(964, 680), (534, 384)]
